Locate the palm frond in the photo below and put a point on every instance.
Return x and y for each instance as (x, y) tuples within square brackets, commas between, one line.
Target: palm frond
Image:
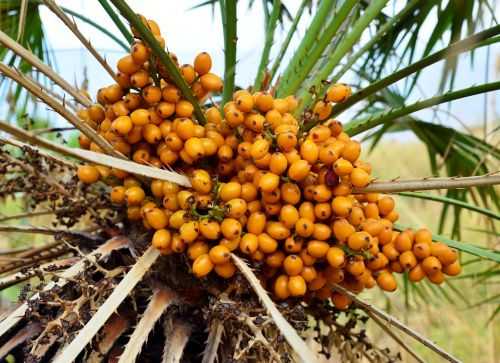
[(264, 59), (355, 127), (288, 38), (229, 24), (327, 35), (116, 19), (457, 202), (345, 46), (454, 49), (298, 58)]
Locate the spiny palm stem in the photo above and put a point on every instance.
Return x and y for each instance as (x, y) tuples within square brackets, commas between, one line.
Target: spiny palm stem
[(50, 232), (454, 182), (105, 249), (355, 127), (325, 7), (394, 336), (286, 42), (22, 20), (37, 91), (452, 201), (103, 30), (321, 44), (71, 25), (264, 59), (373, 40), (345, 46), (229, 23), (119, 294), (18, 277), (160, 301), (26, 215), (290, 334), (396, 323), (29, 57), (116, 19)]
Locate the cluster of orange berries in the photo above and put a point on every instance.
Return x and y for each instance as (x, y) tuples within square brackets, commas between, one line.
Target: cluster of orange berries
[(262, 187)]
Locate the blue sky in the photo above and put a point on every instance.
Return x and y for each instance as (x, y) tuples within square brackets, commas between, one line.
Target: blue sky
[(189, 32)]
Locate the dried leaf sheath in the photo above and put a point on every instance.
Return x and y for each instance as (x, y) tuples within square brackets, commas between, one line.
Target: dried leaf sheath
[(159, 303), (120, 293), (14, 317)]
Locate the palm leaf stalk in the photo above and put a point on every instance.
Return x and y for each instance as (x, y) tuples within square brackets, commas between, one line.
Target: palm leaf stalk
[(438, 198), (398, 185), (286, 42), (159, 302), (385, 327), (74, 29), (288, 332), (355, 127), (103, 30), (387, 27), (22, 20), (119, 294), (116, 19), (29, 57), (305, 45), (315, 54), (264, 59), (37, 91), (454, 49), (92, 157), (344, 47), (102, 251), (229, 22), (163, 57), (397, 324)]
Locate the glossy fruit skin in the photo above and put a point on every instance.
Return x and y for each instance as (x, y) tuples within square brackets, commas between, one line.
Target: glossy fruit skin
[(202, 63), (88, 174), (293, 265), (161, 239), (317, 249), (189, 231), (335, 257), (135, 195), (157, 218), (387, 282), (197, 249), (297, 286), (225, 270), (202, 265), (267, 244), (281, 290), (219, 254), (231, 228), (338, 93)]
